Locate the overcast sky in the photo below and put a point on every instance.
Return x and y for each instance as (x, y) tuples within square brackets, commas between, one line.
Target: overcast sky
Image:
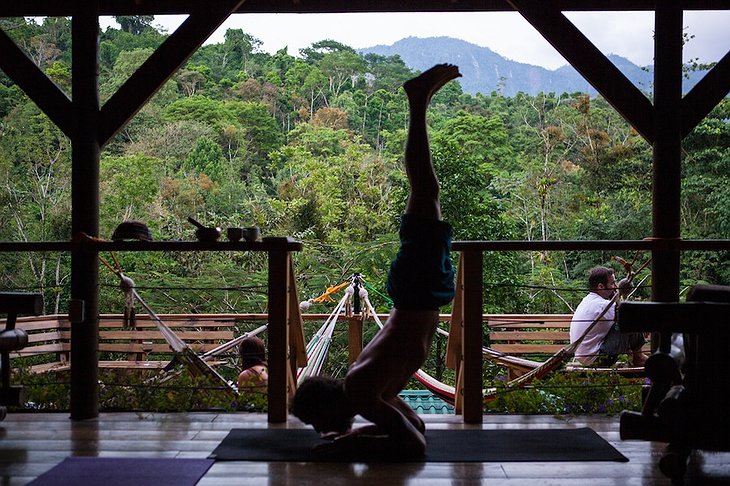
[(628, 34)]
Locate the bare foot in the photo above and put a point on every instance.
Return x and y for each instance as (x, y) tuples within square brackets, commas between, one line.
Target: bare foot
[(430, 81)]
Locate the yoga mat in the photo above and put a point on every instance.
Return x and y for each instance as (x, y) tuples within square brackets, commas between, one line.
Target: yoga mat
[(539, 445), (118, 471)]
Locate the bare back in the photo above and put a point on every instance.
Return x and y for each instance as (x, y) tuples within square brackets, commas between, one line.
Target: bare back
[(395, 354)]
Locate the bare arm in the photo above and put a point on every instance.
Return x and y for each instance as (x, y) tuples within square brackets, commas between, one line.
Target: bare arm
[(399, 439), (402, 433)]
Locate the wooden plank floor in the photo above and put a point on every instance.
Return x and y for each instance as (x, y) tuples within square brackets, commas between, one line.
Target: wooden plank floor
[(32, 443)]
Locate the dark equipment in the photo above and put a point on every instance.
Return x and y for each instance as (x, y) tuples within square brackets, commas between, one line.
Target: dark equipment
[(12, 339), (688, 401)]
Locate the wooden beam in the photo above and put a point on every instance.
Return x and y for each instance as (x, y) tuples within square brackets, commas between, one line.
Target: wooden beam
[(454, 352), (472, 336), (320, 6), (293, 245), (706, 94), (667, 154), (55, 8), (297, 344), (86, 154), (591, 63), (278, 309), (34, 82), (354, 341), (160, 66), (671, 317), (454, 358)]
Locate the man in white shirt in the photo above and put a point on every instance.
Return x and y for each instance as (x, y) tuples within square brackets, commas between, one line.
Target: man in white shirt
[(604, 342)]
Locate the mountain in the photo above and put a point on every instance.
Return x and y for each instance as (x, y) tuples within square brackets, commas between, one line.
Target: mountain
[(485, 71)]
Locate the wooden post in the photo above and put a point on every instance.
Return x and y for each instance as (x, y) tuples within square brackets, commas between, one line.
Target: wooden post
[(454, 351), (472, 336), (459, 390), (297, 346), (278, 334), (456, 323), (667, 153), (85, 211), (354, 339)]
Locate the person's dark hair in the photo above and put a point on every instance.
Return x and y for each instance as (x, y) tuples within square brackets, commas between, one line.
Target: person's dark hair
[(599, 275), (322, 399), (252, 351)]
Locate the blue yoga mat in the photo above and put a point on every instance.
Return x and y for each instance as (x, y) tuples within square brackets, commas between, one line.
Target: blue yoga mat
[(119, 471), (502, 445)]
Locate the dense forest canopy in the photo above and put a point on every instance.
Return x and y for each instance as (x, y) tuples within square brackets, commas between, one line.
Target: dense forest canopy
[(310, 146)]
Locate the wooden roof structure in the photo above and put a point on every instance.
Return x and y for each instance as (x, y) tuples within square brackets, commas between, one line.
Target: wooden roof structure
[(663, 122)]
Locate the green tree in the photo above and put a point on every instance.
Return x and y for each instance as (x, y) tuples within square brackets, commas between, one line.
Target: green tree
[(135, 24), (706, 195), (260, 131), (129, 188), (386, 72), (126, 63), (113, 42), (170, 142), (200, 109), (318, 50), (309, 84), (35, 174), (335, 189), (342, 68), (206, 158)]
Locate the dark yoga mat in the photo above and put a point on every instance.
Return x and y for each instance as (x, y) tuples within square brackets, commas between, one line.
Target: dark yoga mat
[(118, 471), (539, 445)]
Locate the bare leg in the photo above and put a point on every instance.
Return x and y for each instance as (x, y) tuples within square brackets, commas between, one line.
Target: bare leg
[(424, 196), (409, 414)]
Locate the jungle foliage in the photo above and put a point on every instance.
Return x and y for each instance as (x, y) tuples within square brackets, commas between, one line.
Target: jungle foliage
[(310, 146)]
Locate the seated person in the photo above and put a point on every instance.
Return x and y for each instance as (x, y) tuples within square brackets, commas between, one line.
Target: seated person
[(255, 374), (604, 342), (421, 279)]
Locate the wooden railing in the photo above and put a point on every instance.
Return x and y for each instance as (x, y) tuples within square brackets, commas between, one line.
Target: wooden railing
[(286, 340)]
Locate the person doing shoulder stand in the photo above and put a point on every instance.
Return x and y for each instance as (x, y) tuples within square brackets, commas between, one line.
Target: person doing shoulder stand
[(421, 279)]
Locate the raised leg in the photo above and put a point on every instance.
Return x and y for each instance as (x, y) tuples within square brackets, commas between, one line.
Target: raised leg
[(423, 200)]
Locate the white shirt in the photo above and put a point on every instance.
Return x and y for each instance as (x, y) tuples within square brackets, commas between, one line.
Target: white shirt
[(588, 310)]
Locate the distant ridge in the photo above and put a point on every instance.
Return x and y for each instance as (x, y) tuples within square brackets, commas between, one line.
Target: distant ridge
[(485, 71)]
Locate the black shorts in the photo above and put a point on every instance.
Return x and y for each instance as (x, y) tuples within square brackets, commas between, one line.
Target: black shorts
[(421, 276)]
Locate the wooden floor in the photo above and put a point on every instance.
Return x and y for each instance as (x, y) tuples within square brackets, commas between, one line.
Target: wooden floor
[(32, 443)]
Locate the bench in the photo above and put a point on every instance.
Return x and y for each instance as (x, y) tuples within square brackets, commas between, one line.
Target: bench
[(143, 347), (521, 342), (13, 304)]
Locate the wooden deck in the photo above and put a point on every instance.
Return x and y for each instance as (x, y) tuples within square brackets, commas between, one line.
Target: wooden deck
[(32, 443)]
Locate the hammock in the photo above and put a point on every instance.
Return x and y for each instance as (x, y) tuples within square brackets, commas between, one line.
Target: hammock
[(565, 353), (543, 369), (183, 354), (537, 371), (448, 392), (319, 345), (209, 355)]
